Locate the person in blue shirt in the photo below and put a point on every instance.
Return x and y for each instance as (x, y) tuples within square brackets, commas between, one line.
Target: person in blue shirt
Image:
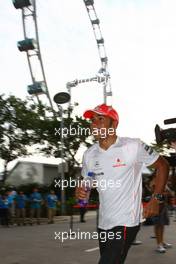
[(21, 208), (35, 199), (51, 205), (1, 211), (4, 205), (11, 201)]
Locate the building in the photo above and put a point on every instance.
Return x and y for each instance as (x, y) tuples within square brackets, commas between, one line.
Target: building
[(27, 172)]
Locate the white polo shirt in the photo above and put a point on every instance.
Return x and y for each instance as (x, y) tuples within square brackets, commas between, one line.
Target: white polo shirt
[(118, 179)]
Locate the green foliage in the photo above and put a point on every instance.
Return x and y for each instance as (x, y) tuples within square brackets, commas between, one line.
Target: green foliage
[(48, 135), (71, 201), (17, 119), (24, 123)]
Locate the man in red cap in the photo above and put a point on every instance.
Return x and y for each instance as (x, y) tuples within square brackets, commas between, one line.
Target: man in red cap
[(117, 162)]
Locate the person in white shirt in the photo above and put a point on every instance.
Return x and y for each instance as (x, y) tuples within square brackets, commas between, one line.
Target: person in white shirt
[(117, 163)]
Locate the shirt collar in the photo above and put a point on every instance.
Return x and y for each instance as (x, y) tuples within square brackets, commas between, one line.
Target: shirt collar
[(113, 145)]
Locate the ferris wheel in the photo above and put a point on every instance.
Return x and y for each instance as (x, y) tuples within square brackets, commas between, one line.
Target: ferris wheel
[(103, 76), (30, 45)]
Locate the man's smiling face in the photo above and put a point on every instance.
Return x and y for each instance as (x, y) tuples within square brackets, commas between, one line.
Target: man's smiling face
[(102, 126)]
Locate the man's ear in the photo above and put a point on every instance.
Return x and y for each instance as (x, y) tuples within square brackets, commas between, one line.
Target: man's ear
[(115, 123)]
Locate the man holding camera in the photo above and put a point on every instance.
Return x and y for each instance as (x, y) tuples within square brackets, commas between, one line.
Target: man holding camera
[(119, 159)]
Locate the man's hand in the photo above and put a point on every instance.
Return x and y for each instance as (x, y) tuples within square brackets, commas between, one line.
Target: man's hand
[(152, 208), (80, 193)]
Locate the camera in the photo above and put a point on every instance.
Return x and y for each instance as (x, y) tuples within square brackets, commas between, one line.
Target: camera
[(166, 135)]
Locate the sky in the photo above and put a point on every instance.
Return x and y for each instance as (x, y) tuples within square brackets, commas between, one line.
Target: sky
[(140, 40)]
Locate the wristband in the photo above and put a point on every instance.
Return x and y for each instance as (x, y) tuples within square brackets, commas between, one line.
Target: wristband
[(159, 197)]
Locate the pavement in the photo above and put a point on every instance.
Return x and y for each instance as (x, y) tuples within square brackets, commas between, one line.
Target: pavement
[(42, 244)]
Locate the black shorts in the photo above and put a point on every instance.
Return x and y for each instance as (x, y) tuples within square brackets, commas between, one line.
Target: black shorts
[(115, 243), (162, 218)]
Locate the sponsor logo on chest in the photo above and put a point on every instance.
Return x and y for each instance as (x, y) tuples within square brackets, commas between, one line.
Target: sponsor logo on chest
[(119, 163)]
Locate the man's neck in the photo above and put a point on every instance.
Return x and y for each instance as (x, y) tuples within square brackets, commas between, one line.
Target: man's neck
[(105, 143)]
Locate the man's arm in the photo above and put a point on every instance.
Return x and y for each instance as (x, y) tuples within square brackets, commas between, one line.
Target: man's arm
[(173, 145), (162, 172)]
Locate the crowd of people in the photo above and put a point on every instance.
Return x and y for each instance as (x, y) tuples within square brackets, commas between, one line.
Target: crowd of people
[(13, 207)]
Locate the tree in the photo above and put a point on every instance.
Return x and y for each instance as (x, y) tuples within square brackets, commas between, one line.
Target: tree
[(17, 119), (75, 134), (23, 123)]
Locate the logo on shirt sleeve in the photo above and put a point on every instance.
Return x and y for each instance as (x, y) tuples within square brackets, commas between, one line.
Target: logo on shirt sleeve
[(147, 148)]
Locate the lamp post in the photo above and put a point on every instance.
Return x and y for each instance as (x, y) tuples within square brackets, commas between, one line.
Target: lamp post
[(59, 99)]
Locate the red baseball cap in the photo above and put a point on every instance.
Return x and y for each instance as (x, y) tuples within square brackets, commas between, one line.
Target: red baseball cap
[(104, 110)]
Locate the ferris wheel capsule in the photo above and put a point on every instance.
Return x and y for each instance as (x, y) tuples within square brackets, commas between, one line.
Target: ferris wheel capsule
[(37, 88), (22, 3), (100, 41), (95, 21), (27, 44), (89, 2)]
